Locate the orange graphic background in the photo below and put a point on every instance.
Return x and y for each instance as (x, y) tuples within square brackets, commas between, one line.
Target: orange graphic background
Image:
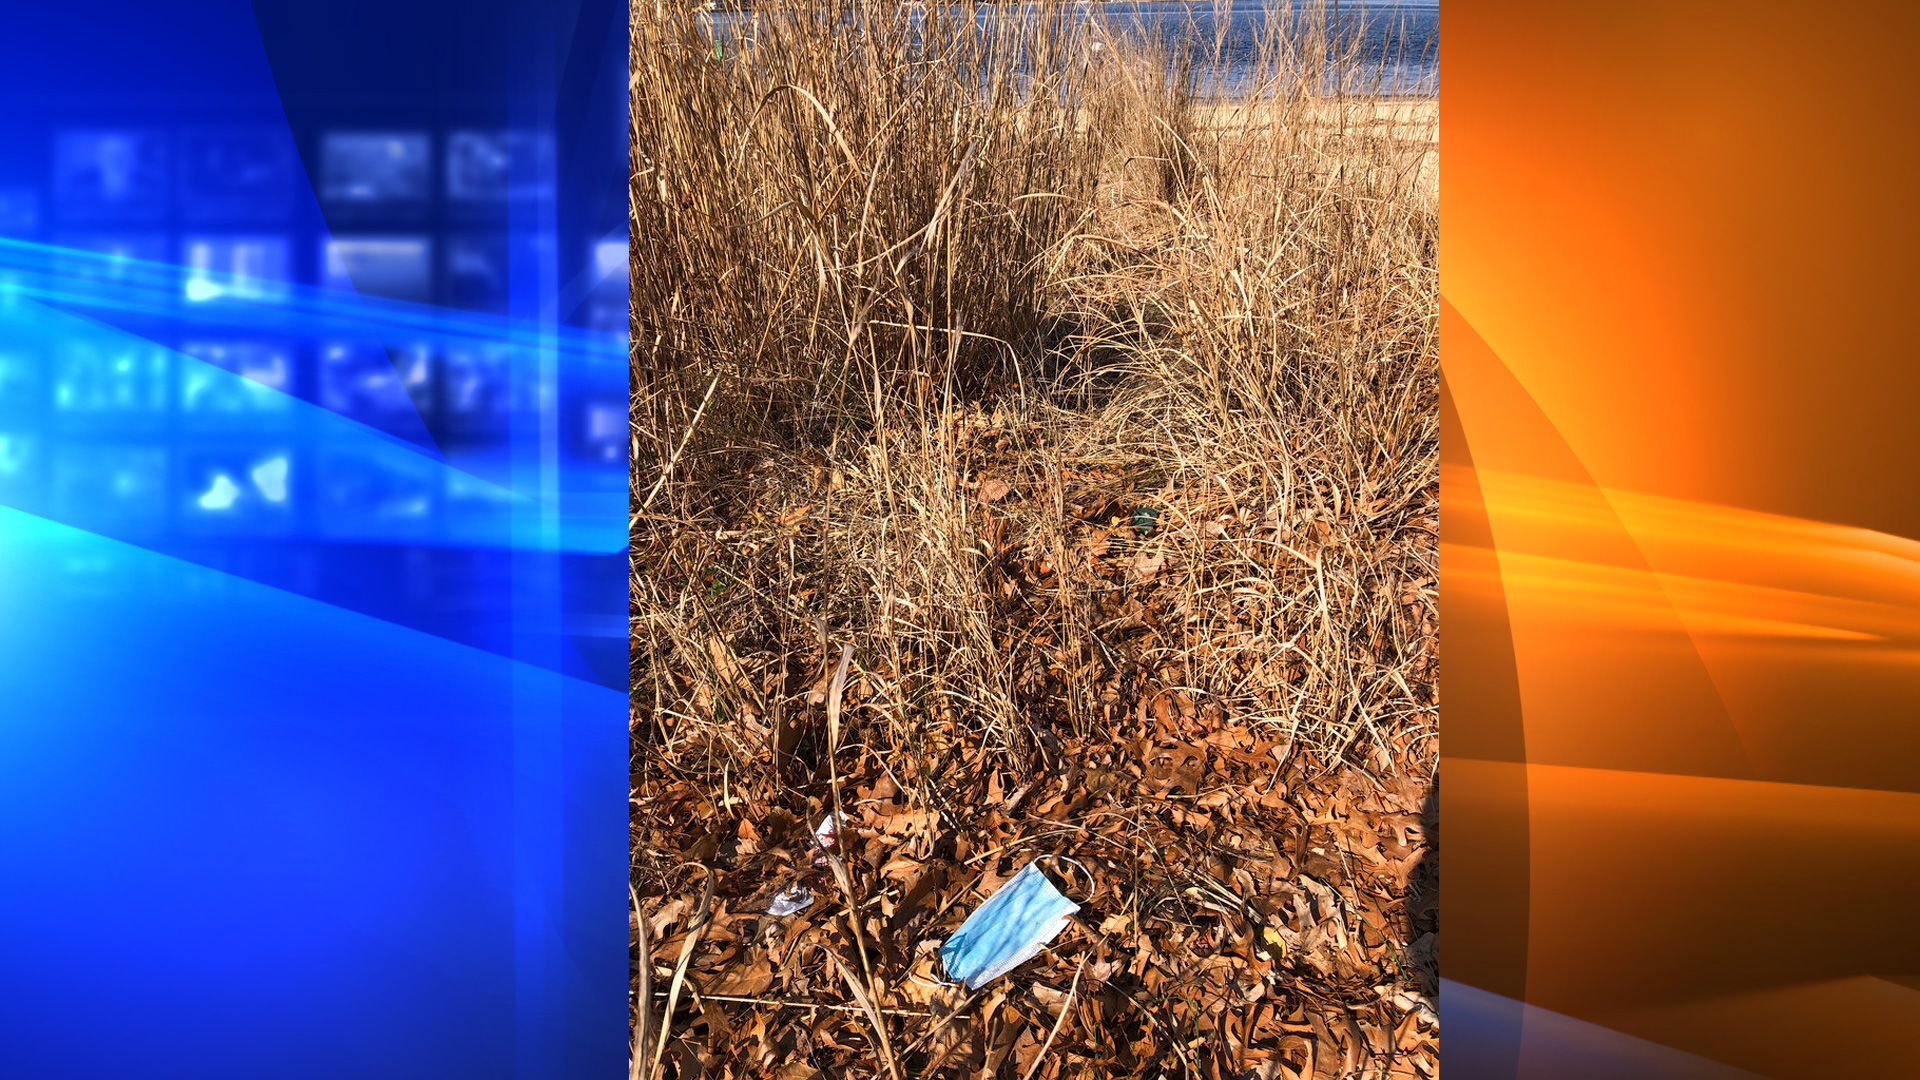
[(1680, 332)]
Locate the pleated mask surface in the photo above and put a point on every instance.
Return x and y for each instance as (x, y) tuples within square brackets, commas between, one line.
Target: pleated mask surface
[(1008, 930)]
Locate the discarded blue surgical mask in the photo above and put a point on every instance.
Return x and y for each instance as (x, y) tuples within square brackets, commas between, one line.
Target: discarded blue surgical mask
[(1008, 930)]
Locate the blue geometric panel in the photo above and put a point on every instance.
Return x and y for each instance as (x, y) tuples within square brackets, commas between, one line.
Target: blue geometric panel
[(254, 834), (313, 494)]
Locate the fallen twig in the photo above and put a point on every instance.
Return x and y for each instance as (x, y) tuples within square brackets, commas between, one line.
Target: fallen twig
[(873, 1015), (1066, 1007), (795, 1003), (643, 1009)]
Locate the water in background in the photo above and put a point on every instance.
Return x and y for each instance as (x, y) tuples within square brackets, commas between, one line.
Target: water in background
[(1396, 43)]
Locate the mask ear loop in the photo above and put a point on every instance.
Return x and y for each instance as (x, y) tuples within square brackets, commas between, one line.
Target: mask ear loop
[(940, 966), (938, 983), (1092, 885)]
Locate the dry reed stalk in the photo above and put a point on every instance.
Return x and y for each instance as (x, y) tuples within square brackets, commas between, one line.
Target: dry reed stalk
[(694, 930), (1066, 1007), (863, 998), (638, 1061)]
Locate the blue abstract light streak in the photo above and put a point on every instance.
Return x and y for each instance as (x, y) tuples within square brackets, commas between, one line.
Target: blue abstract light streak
[(110, 285)]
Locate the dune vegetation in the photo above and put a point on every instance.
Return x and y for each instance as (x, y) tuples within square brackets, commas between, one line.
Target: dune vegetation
[(1085, 425)]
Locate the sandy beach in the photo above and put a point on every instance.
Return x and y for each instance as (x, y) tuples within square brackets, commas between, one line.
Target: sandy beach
[(1414, 124)]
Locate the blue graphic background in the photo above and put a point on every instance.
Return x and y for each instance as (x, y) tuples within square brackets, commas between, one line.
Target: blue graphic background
[(312, 539)]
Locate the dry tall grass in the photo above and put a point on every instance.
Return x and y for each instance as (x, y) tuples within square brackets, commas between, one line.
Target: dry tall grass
[(1057, 391), (866, 223), (856, 204)]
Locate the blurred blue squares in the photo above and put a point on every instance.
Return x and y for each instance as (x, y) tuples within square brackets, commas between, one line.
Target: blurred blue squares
[(606, 307), (235, 380), (396, 267), (376, 384), (375, 169), (610, 260), (477, 391), (477, 271), (499, 166), (23, 386), (372, 496), (19, 212), (605, 431), (111, 175), (237, 174), (243, 267), (116, 384), (238, 490), (122, 251), (22, 465), (108, 486)]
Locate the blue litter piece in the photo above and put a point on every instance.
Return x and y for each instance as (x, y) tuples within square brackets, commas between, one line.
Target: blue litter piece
[(1008, 930)]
